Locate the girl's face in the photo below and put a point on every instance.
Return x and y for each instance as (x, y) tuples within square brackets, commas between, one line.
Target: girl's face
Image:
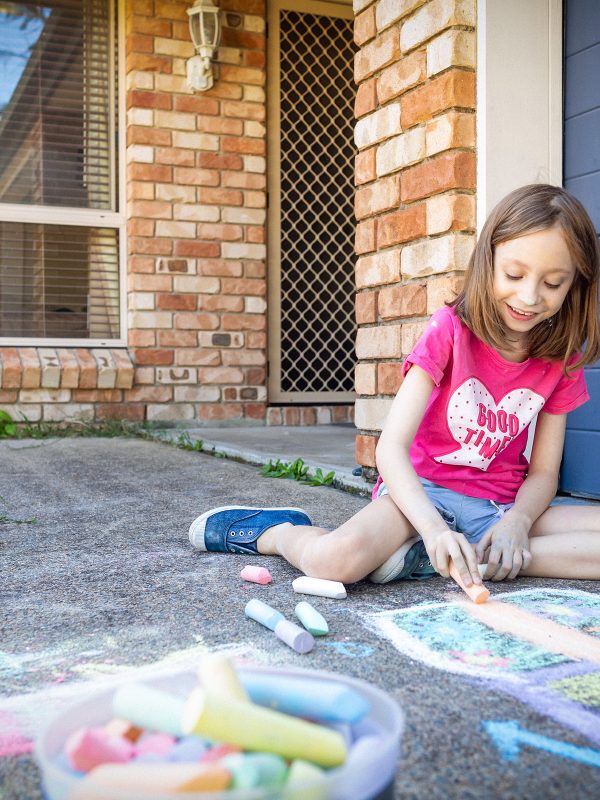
[(532, 276)]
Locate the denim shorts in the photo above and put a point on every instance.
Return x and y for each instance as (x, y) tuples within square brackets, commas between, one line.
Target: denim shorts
[(471, 516)]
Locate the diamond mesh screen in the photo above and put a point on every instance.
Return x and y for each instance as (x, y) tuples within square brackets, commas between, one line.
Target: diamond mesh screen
[(317, 203)]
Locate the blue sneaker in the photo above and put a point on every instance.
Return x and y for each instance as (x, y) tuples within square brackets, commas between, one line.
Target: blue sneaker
[(409, 562), (235, 529)]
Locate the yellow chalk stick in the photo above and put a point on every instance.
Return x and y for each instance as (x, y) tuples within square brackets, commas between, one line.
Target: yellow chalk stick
[(217, 674), (253, 727)]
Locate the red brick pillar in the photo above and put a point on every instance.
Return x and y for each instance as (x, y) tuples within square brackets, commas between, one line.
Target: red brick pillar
[(415, 177)]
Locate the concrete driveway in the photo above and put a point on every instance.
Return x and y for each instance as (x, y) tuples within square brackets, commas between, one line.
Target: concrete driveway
[(104, 583)]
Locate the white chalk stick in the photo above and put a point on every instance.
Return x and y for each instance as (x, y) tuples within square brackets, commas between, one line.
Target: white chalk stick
[(482, 568), (319, 587)]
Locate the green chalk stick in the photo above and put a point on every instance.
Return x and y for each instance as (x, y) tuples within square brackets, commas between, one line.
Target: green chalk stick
[(305, 782), (255, 769), (311, 619)]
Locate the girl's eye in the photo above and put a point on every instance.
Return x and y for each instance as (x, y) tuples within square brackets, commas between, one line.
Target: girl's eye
[(513, 277), (553, 285)]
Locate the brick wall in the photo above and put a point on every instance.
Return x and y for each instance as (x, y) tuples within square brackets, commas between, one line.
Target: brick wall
[(196, 180), (196, 185), (415, 178), (196, 198)]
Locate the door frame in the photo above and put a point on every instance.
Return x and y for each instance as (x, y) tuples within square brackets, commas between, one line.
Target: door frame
[(342, 8)]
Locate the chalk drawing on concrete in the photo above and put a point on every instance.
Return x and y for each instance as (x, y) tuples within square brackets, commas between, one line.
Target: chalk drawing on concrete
[(24, 713), (509, 738), (541, 646)]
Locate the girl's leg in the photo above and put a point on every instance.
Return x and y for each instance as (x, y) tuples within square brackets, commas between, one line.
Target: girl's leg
[(346, 554), (565, 543)]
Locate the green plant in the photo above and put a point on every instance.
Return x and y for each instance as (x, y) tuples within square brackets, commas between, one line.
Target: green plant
[(184, 441), (320, 479), (106, 429), (7, 425), (296, 470)]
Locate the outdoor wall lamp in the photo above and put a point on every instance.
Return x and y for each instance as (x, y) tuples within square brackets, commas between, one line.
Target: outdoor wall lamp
[(205, 30)]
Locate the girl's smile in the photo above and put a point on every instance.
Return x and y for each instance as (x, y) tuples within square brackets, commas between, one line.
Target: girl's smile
[(532, 276)]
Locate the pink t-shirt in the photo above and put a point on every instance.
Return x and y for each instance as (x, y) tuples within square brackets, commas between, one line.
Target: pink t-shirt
[(475, 427)]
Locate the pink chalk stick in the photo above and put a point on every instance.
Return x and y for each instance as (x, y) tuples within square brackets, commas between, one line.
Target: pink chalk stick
[(256, 575), (159, 744), (89, 747)]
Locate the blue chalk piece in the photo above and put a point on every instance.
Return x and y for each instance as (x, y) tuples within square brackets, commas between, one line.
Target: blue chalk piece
[(325, 701), (261, 612), (190, 748)]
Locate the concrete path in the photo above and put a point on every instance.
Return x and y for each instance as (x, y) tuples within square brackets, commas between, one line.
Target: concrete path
[(104, 584), (328, 447)]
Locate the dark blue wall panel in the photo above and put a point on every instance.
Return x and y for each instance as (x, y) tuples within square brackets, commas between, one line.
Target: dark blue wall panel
[(580, 472)]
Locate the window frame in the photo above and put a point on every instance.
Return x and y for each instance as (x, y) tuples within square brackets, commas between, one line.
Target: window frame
[(86, 217)]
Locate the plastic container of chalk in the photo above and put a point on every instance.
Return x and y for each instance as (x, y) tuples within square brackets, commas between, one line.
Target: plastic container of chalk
[(368, 776)]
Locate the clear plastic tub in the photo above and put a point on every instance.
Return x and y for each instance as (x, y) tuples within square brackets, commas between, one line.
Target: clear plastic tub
[(359, 779)]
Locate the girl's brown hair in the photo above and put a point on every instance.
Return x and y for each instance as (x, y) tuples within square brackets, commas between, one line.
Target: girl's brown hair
[(527, 210)]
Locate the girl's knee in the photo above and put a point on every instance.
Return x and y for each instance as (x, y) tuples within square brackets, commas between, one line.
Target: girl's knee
[(334, 560)]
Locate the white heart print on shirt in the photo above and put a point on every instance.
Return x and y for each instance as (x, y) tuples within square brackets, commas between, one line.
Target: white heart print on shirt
[(483, 428)]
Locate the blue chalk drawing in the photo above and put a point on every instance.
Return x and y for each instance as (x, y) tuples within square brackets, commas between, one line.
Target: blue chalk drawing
[(509, 737), (447, 637), (352, 649)]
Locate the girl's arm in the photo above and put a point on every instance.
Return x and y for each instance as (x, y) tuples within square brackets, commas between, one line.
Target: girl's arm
[(508, 539), (404, 487)]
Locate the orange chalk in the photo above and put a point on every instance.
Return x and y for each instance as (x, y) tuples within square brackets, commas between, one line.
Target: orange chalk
[(477, 593)]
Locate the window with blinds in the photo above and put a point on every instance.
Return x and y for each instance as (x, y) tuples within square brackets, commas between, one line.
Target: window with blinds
[(60, 224)]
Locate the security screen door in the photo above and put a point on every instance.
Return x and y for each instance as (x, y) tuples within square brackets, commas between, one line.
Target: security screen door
[(311, 225)]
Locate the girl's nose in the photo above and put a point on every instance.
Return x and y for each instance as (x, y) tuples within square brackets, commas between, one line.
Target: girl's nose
[(529, 295)]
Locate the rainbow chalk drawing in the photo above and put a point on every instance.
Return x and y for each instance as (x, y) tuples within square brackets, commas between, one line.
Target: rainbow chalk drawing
[(89, 669), (12, 740), (256, 575), (541, 646)]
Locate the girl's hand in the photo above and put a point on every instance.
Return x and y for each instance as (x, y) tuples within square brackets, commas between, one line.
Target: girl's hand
[(505, 548), (449, 545)]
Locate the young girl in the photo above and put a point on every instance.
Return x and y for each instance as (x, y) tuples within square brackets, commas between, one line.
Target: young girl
[(455, 483)]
